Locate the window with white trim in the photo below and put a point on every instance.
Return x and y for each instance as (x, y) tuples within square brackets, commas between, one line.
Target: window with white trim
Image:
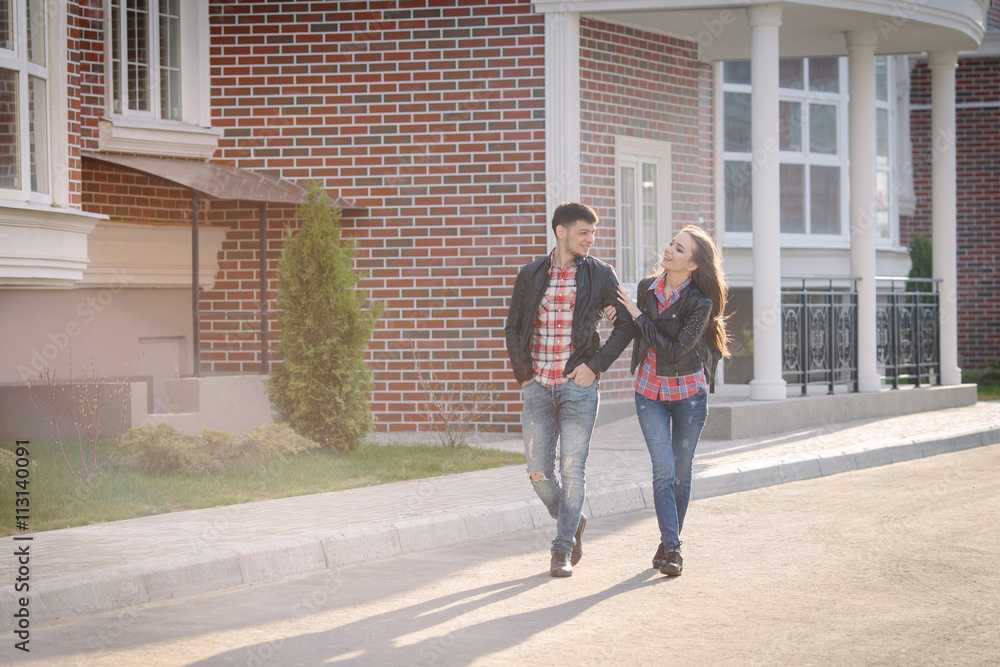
[(157, 84), (643, 184), (24, 145), (145, 50), (886, 211), (813, 150)]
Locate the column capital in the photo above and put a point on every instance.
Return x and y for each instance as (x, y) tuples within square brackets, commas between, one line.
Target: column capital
[(861, 38), (942, 59), (765, 15)]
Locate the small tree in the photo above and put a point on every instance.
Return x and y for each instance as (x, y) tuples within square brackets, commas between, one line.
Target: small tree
[(921, 254), (323, 387)]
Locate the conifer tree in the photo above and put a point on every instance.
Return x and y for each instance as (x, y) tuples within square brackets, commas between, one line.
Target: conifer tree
[(323, 387)]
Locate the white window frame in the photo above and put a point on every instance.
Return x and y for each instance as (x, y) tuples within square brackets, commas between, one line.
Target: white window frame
[(17, 60), (629, 150), (896, 189), (145, 132), (841, 159)]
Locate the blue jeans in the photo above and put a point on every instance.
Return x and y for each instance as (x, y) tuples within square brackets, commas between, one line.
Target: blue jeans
[(562, 415), (672, 430)]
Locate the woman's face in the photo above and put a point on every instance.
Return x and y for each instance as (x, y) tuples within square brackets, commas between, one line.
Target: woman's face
[(678, 255)]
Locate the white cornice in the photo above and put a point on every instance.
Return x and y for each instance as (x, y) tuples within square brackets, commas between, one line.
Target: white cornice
[(43, 246)]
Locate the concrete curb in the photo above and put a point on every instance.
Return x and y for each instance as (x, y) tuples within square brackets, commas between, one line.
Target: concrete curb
[(153, 580)]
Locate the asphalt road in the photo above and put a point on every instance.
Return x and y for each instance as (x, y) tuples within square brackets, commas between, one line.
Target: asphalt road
[(895, 565)]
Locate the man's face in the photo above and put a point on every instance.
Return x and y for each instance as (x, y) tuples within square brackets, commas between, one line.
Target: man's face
[(577, 239)]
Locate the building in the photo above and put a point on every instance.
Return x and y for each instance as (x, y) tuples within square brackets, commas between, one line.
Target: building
[(154, 152)]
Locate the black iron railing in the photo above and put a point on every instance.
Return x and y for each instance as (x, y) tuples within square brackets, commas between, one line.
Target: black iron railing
[(819, 317), (819, 332), (908, 330)]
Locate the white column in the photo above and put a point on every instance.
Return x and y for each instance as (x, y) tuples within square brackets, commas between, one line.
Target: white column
[(943, 208), (562, 111), (767, 383), (863, 207)]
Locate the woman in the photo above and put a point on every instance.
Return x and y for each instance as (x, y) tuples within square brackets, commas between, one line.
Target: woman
[(680, 334)]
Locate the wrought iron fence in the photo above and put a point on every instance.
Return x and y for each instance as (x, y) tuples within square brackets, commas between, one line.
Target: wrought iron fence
[(820, 324), (908, 330), (819, 332)]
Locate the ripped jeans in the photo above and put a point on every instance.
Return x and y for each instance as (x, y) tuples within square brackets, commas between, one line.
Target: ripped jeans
[(562, 415)]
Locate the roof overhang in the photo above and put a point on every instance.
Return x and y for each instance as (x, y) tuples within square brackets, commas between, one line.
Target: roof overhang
[(215, 180), (809, 28)]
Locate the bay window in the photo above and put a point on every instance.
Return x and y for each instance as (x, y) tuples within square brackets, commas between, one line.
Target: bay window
[(24, 148), (812, 150)]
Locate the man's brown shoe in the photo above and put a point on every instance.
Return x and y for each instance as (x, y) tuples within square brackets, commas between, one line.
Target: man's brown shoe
[(560, 564)]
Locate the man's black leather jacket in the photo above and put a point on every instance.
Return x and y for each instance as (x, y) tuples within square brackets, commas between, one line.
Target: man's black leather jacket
[(677, 333), (596, 288)]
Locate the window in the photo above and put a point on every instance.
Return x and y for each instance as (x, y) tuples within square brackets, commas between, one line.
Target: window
[(24, 149), (157, 63), (812, 147), (643, 206), (883, 147), (145, 58)]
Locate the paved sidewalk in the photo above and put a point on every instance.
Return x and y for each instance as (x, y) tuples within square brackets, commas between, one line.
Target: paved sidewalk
[(115, 565)]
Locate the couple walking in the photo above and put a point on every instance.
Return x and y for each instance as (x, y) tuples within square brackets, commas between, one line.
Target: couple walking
[(557, 357)]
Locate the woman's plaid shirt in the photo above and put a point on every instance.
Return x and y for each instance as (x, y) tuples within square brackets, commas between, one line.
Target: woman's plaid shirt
[(664, 387)]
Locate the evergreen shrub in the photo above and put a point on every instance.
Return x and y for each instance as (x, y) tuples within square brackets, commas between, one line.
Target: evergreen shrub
[(323, 386)]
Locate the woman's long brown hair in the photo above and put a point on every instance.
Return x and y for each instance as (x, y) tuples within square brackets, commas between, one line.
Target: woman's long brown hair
[(710, 277)]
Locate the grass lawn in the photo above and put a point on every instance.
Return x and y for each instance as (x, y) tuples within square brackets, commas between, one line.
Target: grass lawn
[(989, 392), (58, 500)]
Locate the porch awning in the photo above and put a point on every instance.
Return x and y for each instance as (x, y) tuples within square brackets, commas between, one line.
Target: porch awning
[(225, 183), (215, 180)]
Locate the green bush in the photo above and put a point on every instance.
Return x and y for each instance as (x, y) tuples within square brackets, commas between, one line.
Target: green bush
[(162, 448), (323, 386), (921, 266)]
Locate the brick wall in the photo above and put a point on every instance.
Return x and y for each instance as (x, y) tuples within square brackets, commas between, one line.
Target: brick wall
[(85, 23), (646, 86), (430, 119), (978, 207), (128, 196)]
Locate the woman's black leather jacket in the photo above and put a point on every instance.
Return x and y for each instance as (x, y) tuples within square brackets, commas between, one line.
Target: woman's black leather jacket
[(677, 333)]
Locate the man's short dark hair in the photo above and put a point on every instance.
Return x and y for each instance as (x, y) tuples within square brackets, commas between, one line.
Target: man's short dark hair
[(569, 213)]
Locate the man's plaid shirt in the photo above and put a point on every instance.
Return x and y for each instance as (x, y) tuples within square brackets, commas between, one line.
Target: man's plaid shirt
[(553, 339), (659, 387)]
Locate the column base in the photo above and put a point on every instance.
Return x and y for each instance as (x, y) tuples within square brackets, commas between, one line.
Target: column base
[(870, 384), (951, 376), (768, 391)]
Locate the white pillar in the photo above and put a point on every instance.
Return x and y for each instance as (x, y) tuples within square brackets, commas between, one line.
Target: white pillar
[(562, 111), (863, 207), (943, 208), (767, 383)]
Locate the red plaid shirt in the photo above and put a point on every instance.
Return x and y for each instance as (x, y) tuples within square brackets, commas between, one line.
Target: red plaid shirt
[(553, 340), (665, 387)]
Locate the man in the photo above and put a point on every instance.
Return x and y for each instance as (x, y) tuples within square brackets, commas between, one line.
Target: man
[(557, 356)]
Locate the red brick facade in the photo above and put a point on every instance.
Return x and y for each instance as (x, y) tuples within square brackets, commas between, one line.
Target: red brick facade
[(978, 207), (430, 120)]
